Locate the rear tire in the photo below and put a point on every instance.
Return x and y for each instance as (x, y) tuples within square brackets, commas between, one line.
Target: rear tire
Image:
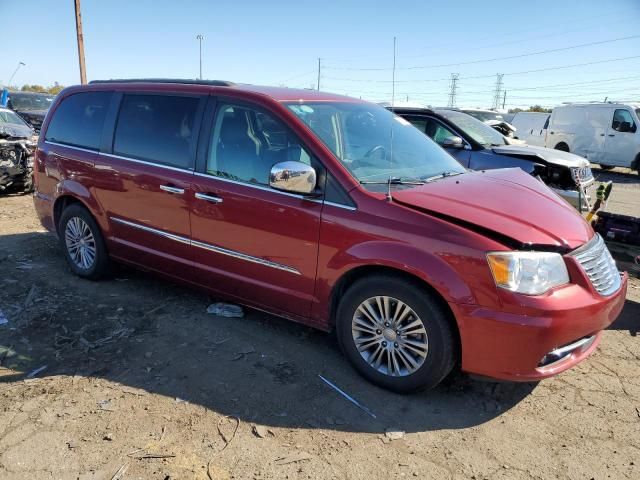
[(83, 243), (563, 147), (414, 350)]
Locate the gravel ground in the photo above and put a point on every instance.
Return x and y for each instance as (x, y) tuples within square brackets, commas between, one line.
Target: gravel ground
[(139, 382)]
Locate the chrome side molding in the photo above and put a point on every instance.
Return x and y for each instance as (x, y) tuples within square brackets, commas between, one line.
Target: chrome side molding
[(208, 246)]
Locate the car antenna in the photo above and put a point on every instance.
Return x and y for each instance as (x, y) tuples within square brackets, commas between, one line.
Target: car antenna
[(393, 101)]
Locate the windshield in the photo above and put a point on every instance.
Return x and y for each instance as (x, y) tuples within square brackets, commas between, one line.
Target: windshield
[(7, 116), (30, 101), (359, 134), (484, 116), (479, 131)]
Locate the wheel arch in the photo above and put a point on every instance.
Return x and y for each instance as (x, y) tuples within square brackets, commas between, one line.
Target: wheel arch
[(70, 192), (355, 274), (562, 146)]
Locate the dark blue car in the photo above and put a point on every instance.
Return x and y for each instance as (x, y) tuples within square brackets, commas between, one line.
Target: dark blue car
[(479, 147)]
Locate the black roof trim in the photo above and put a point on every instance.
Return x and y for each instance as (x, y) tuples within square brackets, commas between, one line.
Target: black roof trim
[(184, 81), (409, 110)]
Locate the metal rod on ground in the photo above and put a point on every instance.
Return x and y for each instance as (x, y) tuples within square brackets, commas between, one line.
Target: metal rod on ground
[(83, 72), (348, 397)]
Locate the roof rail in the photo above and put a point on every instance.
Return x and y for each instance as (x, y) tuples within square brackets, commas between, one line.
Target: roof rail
[(185, 81)]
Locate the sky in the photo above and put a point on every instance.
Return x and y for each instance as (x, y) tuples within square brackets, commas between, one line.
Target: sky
[(571, 51)]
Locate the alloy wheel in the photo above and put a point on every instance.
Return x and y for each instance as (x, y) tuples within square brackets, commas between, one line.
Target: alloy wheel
[(390, 336), (80, 243)]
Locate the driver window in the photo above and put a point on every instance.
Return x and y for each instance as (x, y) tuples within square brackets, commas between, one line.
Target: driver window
[(621, 116), (246, 143), (437, 131)]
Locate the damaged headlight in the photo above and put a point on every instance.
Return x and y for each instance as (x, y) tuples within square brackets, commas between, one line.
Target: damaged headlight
[(531, 273)]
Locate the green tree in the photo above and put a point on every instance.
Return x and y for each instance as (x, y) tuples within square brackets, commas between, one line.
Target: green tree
[(52, 89)]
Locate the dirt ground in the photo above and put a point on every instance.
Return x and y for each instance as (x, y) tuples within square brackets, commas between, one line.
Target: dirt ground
[(140, 382)]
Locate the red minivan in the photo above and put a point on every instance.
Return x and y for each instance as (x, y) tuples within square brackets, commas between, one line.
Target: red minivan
[(332, 212)]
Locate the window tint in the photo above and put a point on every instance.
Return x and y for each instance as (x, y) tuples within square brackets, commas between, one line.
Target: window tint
[(621, 116), (78, 120), (246, 143), (158, 128), (438, 132), (419, 123)]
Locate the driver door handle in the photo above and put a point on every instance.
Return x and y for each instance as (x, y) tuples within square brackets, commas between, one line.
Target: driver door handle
[(207, 197), (172, 189)]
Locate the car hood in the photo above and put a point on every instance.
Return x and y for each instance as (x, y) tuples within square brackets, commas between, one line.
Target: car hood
[(32, 113), (557, 157), (506, 204), (15, 131)]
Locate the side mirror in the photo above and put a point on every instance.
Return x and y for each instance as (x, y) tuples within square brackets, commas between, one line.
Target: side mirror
[(294, 177), (453, 142)]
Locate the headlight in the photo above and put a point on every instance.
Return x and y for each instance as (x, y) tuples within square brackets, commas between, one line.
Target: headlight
[(531, 273)]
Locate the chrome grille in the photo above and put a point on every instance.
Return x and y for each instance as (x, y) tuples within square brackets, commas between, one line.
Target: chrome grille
[(581, 174), (599, 265)]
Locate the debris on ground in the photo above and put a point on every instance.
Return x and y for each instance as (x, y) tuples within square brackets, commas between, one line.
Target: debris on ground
[(295, 458), (393, 434), (222, 309), (260, 431), (35, 372), (348, 397)]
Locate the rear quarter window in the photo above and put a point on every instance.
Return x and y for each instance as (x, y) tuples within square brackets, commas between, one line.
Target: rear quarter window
[(79, 119), (157, 128)]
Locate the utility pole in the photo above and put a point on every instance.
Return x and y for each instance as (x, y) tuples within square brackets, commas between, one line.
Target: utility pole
[(393, 76), (504, 99), (453, 87), (200, 38), (319, 68), (83, 72), (498, 92)]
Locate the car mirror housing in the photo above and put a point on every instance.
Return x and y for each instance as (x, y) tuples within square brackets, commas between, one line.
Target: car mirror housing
[(453, 142), (294, 177)]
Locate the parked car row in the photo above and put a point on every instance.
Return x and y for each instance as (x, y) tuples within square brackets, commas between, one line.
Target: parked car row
[(338, 214), (605, 133)]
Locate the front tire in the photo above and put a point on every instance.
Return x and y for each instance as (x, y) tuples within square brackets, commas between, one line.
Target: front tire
[(395, 334), (83, 244)]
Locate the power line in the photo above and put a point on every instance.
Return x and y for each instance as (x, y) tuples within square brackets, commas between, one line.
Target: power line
[(523, 72), (495, 59)]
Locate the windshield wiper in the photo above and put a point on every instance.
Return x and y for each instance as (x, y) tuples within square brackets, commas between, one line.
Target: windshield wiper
[(394, 181), (442, 175)]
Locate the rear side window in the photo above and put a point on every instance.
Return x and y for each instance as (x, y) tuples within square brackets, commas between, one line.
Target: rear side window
[(157, 128), (78, 120)]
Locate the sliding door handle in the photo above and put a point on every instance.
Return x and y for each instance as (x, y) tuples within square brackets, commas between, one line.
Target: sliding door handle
[(172, 189), (209, 198)]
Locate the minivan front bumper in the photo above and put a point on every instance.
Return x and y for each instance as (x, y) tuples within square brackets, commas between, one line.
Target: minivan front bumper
[(518, 343)]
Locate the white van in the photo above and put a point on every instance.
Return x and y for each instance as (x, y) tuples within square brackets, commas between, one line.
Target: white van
[(531, 127), (603, 132)]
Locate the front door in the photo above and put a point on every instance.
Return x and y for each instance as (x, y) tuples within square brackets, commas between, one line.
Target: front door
[(622, 143), (250, 241)]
